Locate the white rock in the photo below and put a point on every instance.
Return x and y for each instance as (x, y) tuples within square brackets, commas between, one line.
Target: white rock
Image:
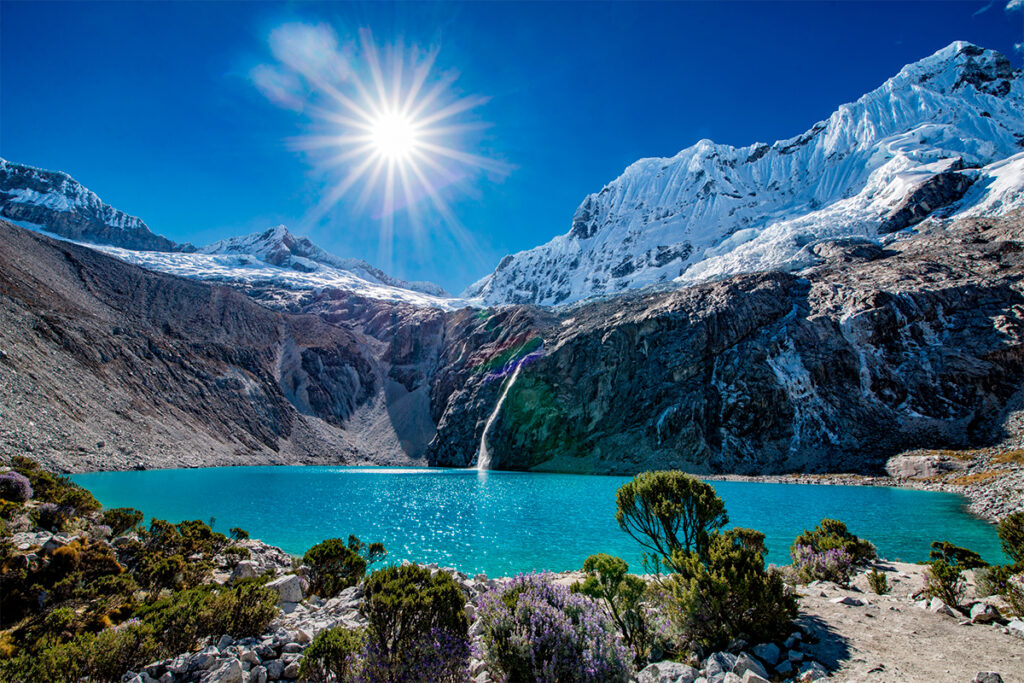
[(668, 672), (745, 663), (288, 588), (984, 613)]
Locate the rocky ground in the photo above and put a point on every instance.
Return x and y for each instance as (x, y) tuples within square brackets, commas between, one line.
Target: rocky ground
[(842, 634)]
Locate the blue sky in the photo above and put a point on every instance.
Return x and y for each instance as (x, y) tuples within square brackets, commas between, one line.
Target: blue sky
[(154, 106)]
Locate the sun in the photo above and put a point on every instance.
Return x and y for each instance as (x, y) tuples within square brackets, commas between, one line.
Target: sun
[(394, 136)]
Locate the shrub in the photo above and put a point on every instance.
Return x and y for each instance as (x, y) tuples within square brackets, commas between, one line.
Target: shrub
[(416, 626), (878, 582), (242, 611), (728, 594), (234, 554), (122, 520), (955, 555), (945, 582), (238, 533), (1011, 535), (15, 487), (992, 580), (832, 534), (834, 564), (669, 511), (622, 593), (332, 657), (181, 619), (51, 516), (333, 567), (534, 630)]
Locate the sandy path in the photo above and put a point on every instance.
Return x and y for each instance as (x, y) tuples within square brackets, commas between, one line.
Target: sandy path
[(893, 640)]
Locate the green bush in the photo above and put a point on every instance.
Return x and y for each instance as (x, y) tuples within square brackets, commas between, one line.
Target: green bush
[(181, 619), (122, 520), (944, 581), (103, 656), (992, 580), (332, 657), (667, 512), (878, 582), (335, 565), (623, 594), (955, 555), (416, 628), (728, 594), (1011, 535), (831, 534), (242, 611), (238, 533)]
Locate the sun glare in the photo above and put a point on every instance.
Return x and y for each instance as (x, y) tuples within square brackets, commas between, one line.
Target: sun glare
[(388, 128), (393, 136)]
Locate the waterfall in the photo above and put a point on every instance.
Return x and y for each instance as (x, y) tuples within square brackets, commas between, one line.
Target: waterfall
[(483, 456)]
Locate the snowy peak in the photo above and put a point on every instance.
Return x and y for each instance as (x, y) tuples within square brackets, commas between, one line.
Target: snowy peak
[(278, 247), (58, 203), (713, 210), (958, 65)]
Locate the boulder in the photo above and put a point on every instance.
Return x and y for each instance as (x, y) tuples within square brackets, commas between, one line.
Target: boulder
[(939, 607), (668, 672), (1016, 628), (258, 674), (984, 613), (922, 466), (275, 669), (848, 600), (812, 671), (229, 672), (288, 588), (718, 663), (246, 569), (751, 677), (987, 677), (745, 663), (768, 653)]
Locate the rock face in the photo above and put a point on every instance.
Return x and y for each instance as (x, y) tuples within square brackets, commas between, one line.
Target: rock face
[(915, 144), (103, 364), (832, 369), (55, 200)]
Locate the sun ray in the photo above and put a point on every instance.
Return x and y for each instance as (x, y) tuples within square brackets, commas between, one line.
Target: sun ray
[(392, 131)]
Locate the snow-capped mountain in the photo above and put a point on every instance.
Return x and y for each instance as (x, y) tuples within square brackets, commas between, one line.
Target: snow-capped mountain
[(916, 144), (53, 202), (66, 208), (278, 247)]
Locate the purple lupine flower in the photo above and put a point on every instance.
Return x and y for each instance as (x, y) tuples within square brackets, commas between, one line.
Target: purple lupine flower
[(15, 487), (536, 630)]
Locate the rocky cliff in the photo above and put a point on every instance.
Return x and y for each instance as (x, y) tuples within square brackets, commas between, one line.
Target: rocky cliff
[(871, 351)]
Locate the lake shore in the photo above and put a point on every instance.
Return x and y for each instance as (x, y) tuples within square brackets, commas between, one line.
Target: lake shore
[(992, 479)]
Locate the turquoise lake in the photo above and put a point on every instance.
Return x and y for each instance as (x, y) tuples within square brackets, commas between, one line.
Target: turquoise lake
[(503, 523)]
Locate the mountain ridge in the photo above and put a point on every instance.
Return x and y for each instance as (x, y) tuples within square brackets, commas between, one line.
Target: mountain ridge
[(713, 210)]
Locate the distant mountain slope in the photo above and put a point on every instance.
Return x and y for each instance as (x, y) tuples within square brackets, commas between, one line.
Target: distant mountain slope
[(64, 207), (105, 365), (899, 153), (278, 247)]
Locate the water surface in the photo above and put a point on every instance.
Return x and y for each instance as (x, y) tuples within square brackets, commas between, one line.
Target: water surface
[(508, 522)]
